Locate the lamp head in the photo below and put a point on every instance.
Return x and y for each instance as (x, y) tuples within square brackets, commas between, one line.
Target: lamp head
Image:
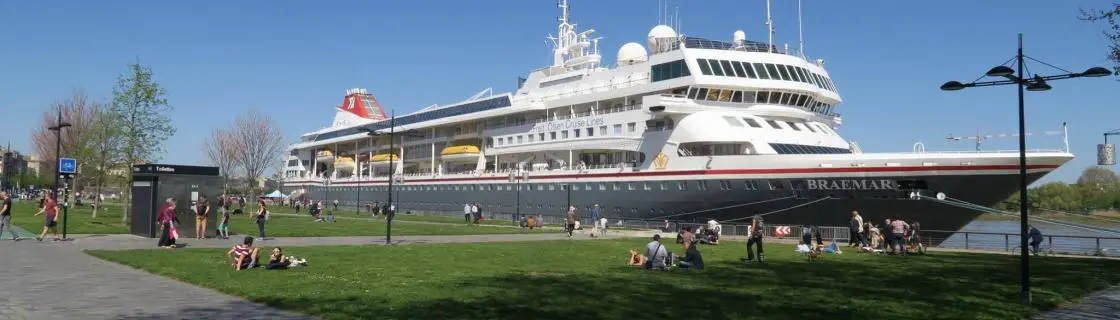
[(1096, 72), (953, 86), (1000, 71), (1038, 84)]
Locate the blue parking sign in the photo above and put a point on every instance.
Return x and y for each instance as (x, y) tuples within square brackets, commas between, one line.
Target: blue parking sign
[(67, 165)]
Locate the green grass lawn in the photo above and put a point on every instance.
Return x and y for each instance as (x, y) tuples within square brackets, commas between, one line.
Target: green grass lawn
[(304, 226), (589, 280), (79, 220)]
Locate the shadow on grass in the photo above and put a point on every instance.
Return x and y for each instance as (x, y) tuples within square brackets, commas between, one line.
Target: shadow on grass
[(946, 287)]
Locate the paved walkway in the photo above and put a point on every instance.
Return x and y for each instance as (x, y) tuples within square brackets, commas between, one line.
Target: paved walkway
[(1098, 306), (55, 280)]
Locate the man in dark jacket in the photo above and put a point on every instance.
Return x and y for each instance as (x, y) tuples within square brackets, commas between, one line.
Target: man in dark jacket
[(1035, 238), (692, 258)]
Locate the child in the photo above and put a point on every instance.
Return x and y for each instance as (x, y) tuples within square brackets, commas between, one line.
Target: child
[(277, 260), (223, 227)]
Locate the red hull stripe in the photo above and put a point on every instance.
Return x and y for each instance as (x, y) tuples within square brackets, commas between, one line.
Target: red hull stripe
[(731, 171)]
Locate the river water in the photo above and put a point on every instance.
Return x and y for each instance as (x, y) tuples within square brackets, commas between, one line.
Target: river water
[(1054, 237)]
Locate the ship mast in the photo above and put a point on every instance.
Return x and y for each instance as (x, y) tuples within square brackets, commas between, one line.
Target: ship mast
[(571, 50)]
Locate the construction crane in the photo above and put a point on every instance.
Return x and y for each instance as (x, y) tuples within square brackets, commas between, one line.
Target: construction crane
[(979, 138)]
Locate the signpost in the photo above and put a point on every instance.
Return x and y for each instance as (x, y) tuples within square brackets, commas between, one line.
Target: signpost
[(67, 167)]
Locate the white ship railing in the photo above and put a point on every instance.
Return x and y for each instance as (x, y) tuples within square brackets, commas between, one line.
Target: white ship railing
[(991, 151), (600, 112)]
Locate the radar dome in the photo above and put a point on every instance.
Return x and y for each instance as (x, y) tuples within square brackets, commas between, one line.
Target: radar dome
[(659, 32), (739, 37), (631, 53)]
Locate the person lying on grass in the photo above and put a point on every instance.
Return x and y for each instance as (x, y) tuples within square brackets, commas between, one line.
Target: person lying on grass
[(244, 255), (636, 259), (277, 260)]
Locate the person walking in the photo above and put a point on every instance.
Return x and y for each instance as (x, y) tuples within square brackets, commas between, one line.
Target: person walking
[(755, 240), (50, 207), (595, 220), (467, 213), (166, 220), (6, 216), (260, 218), (855, 230), (570, 220), (223, 225), (202, 212), (474, 212)]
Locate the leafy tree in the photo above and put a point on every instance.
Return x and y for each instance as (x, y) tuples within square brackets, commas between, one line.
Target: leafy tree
[(140, 111), (105, 145), (1109, 15)]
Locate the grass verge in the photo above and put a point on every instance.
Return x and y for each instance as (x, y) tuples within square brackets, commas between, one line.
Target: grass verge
[(588, 280)]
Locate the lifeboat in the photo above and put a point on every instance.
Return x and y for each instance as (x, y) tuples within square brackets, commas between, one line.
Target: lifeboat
[(460, 153), (324, 156), (344, 162), (383, 159)]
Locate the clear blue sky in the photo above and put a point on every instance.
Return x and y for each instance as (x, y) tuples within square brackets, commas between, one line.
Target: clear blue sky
[(295, 59)]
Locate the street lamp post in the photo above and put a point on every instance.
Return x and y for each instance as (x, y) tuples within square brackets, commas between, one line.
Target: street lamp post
[(57, 159), (392, 134), (1035, 83)]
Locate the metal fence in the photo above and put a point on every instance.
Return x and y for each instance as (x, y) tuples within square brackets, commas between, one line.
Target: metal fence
[(1009, 242)]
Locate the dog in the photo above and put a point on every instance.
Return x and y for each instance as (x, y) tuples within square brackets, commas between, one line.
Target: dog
[(815, 255)]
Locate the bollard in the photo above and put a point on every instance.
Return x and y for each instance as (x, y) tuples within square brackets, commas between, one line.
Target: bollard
[(65, 210), (966, 240), (1098, 245), (1006, 243)]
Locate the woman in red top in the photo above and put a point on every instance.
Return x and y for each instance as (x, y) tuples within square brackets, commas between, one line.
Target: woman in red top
[(166, 222), (50, 207)]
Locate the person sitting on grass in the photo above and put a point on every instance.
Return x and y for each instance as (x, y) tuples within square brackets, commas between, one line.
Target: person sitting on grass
[(244, 255), (656, 254), (636, 259), (277, 260), (692, 259)]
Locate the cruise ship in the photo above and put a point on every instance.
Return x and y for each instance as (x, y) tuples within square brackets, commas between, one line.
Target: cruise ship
[(678, 128)]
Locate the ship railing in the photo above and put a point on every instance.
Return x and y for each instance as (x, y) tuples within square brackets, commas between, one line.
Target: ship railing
[(992, 151), (601, 111), (630, 81)]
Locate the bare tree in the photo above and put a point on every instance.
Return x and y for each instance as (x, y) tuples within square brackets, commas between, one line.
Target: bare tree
[(80, 112), (259, 144), (105, 144), (221, 150)]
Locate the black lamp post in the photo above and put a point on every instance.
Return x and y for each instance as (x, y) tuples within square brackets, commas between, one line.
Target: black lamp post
[(57, 159), (392, 134), (1035, 83)]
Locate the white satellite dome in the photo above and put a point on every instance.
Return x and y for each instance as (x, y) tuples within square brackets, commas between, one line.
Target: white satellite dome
[(659, 32), (631, 53), (739, 37)]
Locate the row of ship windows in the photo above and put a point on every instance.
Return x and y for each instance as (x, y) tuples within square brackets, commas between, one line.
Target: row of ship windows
[(564, 134), (725, 185), (765, 71), (774, 124), (768, 97)]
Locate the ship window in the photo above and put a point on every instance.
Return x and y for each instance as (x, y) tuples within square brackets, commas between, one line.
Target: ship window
[(702, 93), (614, 186), (774, 124), (793, 125), (725, 95), (704, 68), (631, 127), (752, 123), (804, 74), (519, 139), (737, 97), (531, 138), (564, 134), (713, 95), (602, 187), (575, 133), (761, 69), (748, 96), (618, 129), (792, 73), (630, 186), (786, 96), (778, 71), (819, 83), (702, 185), (731, 121), (692, 93), (801, 100), (552, 135), (807, 126), (541, 136), (509, 140), (602, 130), (715, 67), (500, 141), (775, 97), (727, 68), (590, 132), (681, 185), (551, 187), (738, 69), (749, 70), (664, 186), (750, 185)]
